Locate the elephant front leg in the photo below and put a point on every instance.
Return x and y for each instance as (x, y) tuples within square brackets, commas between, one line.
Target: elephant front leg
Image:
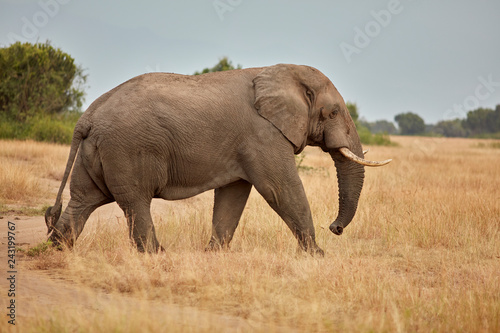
[(279, 183), (229, 203), (291, 204)]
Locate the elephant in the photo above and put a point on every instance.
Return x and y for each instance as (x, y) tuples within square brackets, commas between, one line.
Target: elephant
[(173, 136)]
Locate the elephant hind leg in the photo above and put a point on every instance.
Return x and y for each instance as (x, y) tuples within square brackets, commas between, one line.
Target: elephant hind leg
[(141, 227)]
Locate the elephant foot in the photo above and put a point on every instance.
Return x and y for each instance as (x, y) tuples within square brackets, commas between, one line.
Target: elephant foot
[(314, 252), (215, 245), (150, 246), (309, 245), (317, 252)]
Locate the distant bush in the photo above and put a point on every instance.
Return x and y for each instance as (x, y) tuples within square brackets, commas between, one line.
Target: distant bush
[(495, 136), (410, 123), (483, 123), (493, 145), (224, 64), (365, 135), (378, 139), (379, 126), (52, 129), (10, 129), (56, 128)]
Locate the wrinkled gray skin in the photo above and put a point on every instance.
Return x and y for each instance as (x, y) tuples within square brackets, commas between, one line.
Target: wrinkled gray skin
[(173, 136)]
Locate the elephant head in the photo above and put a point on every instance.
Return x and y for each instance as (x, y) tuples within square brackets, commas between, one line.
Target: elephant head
[(308, 110)]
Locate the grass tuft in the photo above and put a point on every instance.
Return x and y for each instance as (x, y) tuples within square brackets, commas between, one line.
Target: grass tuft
[(491, 145), (39, 249)]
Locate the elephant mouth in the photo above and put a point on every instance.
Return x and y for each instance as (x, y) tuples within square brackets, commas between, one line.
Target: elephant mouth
[(353, 157)]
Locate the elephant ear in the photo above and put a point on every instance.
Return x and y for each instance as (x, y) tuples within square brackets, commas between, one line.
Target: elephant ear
[(280, 97)]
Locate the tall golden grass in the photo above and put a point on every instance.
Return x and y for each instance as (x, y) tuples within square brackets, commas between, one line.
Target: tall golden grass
[(25, 167), (422, 254)]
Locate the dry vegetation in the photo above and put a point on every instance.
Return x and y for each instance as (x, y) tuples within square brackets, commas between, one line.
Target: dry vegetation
[(26, 168), (422, 255)]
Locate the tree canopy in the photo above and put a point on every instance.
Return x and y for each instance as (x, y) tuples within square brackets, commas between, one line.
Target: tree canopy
[(353, 111), (224, 64), (410, 123), (450, 128), (482, 120), (379, 126), (38, 79), (365, 134)]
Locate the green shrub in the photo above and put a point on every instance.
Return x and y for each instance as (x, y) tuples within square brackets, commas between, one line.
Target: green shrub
[(298, 163), (364, 134), (12, 129), (493, 145), (7, 129), (382, 139), (487, 136), (379, 139), (56, 129), (49, 129), (39, 249)]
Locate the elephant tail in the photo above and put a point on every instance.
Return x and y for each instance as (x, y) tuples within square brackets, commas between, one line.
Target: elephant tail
[(81, 131)]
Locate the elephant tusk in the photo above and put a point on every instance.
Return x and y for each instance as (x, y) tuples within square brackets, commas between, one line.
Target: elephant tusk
[(366, 151), (350, 155)]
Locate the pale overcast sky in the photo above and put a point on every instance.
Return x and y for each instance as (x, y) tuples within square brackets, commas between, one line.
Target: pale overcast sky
[(437, 58)]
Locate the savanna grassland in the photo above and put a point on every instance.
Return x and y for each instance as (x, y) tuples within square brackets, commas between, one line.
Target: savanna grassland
[(421, 255)]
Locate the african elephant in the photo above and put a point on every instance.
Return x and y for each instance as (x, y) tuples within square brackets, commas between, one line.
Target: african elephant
[(174, 136)]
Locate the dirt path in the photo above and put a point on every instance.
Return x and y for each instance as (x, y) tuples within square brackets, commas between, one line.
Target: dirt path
[(38, 293)]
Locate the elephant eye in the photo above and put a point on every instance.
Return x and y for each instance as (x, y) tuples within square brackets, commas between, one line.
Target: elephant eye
[(333, 113)]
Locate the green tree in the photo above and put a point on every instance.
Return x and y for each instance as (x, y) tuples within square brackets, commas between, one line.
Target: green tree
[(450, 128), (224, 64), (380, 126), (353, 110), (364, 133), (410, 123), (482, 121), (38, 79), (495, 119), (477, 121)]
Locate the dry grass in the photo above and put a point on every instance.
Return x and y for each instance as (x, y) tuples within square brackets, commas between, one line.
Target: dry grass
[(423, 253), (25, 167)]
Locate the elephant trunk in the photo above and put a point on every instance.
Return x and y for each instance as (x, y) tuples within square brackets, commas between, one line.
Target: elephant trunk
[(350, 177)]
